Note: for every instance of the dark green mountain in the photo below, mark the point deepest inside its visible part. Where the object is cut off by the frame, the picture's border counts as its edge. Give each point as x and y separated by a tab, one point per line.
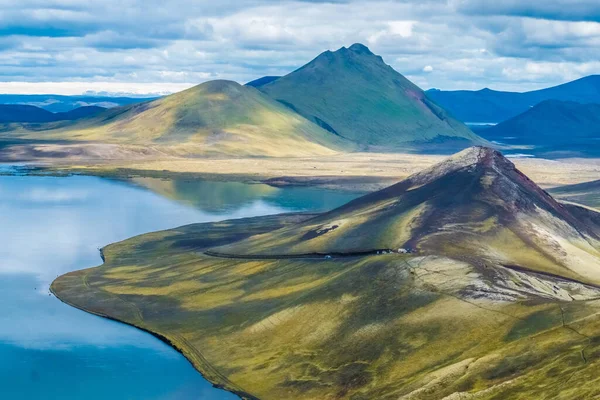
77	113
494	106
354	94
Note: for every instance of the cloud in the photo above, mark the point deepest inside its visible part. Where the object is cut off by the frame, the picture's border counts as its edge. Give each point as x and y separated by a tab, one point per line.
428	68
157	44
566	10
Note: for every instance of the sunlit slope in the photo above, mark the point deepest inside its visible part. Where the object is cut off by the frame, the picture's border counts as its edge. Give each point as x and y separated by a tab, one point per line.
354	94
475	205
217	117
380	327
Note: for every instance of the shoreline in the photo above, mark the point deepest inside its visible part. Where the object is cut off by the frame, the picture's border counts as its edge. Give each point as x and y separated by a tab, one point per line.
357	172
338	183
166	340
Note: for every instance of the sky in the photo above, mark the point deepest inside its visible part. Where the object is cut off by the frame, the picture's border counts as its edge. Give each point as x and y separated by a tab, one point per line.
163	46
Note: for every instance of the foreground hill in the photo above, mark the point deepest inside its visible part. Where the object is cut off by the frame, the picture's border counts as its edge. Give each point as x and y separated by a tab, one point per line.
497	298
355	95
217	117
476	204
552	122
491	106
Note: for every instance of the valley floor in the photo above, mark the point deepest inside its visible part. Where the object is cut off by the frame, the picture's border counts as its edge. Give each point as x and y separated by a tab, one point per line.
349	171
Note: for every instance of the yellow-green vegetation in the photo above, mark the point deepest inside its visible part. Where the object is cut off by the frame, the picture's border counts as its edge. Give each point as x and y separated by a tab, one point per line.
391	326
214	118
465	281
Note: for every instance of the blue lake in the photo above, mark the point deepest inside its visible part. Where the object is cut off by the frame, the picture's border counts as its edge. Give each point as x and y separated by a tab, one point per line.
52	225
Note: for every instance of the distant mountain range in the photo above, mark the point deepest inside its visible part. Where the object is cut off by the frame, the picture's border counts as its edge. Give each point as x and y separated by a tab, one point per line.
490	106
346	100
11	113
59	103
552	121
355	95
555	128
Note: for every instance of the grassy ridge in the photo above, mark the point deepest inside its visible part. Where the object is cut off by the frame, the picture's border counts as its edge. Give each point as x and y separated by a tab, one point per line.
494	106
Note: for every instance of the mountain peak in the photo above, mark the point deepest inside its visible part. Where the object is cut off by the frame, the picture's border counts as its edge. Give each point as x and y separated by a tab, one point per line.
360	48
218	86
479	155
476	156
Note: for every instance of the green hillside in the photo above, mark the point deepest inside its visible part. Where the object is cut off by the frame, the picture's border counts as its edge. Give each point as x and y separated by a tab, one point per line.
354	94
217	117
491	106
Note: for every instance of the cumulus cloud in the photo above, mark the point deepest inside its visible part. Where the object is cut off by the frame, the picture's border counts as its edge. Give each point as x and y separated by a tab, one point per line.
153	44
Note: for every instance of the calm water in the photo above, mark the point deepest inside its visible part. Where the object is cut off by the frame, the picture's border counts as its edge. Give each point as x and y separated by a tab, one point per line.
49	226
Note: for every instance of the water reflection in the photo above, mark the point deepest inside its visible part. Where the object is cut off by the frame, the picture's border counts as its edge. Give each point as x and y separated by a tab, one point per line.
221	197
49	226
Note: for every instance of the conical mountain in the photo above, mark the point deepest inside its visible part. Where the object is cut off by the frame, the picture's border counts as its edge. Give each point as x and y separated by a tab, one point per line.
475	206
356	95
217	117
